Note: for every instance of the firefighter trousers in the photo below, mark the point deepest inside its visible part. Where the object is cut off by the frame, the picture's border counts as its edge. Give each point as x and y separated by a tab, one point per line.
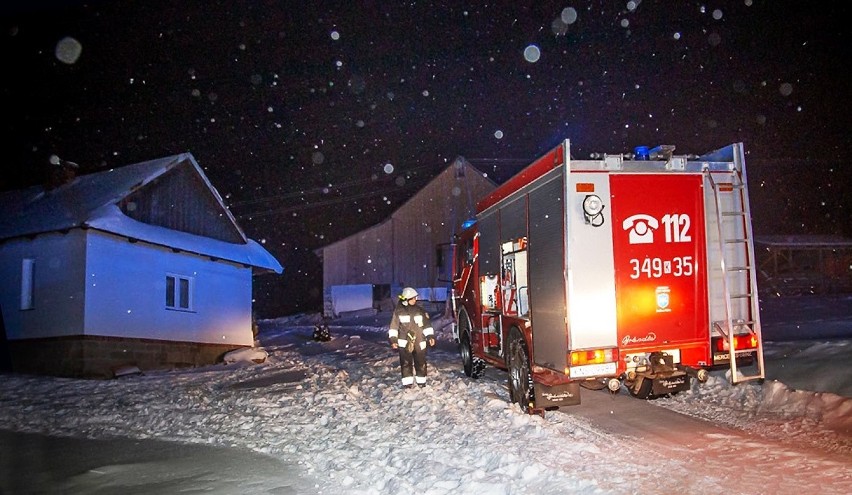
413	366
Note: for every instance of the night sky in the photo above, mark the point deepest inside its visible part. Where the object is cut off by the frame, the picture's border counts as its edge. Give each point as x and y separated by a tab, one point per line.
315	120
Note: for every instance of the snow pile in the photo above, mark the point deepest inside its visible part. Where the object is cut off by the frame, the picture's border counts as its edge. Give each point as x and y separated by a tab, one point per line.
815	365
336	411
246	355
832	410
822	405
771	410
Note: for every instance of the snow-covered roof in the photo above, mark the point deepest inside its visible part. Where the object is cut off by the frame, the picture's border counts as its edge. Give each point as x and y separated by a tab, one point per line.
91	201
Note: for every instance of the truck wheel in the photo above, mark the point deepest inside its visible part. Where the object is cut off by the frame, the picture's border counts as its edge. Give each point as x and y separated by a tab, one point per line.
520	377
474	367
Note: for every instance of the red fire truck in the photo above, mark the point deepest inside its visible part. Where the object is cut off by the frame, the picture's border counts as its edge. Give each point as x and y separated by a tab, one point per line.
633	270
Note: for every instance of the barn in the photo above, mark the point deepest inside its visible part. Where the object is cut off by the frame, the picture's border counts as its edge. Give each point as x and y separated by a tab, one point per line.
141	266
410	248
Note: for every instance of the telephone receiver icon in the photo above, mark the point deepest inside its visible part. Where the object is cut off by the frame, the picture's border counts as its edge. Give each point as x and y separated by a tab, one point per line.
641	228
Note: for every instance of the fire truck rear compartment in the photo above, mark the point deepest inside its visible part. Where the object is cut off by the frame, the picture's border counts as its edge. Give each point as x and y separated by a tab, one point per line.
574	276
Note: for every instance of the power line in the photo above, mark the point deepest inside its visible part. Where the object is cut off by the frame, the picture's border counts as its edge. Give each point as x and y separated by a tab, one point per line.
521	160
328	202
324	190
315	190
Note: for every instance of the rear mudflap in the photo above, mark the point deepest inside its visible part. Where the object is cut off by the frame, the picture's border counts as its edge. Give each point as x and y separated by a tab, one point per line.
562	394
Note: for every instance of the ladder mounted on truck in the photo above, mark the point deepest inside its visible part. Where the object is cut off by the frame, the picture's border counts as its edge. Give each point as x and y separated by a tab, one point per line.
733	219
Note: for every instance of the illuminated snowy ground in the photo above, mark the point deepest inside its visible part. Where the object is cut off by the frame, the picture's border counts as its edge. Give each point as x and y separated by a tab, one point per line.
334	413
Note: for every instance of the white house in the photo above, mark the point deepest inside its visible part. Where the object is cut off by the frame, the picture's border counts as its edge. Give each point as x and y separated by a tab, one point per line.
141	266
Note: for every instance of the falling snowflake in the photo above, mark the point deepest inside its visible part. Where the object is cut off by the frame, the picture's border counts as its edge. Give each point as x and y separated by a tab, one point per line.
532	54
569	15
68	50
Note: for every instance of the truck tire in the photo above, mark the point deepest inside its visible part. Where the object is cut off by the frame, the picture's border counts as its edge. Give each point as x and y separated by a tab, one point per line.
474	367
521	388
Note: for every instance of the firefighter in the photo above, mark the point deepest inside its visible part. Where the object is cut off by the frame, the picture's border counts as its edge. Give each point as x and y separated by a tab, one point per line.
410	331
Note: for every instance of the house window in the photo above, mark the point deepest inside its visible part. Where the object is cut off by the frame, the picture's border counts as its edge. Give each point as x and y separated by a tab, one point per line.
27	283
179	292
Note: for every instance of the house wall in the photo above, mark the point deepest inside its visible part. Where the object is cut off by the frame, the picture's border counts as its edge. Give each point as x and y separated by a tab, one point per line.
126	294
431	218
365	258
101	357
58	291
192	206
99	304
402	250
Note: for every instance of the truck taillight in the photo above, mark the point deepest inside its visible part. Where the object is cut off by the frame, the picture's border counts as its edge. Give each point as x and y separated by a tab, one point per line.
740	342
594	356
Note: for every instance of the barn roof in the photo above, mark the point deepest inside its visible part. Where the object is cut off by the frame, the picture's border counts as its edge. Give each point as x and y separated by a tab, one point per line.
94	201
459	163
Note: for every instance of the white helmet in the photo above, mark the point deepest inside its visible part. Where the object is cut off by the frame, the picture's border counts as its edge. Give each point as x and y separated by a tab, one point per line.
408	293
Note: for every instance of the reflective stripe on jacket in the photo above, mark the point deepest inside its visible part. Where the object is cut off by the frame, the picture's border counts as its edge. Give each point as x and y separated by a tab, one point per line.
410	322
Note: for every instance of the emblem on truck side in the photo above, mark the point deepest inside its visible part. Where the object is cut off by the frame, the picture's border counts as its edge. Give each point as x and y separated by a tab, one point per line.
641	227
663	299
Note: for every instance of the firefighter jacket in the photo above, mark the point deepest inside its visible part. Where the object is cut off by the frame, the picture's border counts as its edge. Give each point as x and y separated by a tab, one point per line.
410	327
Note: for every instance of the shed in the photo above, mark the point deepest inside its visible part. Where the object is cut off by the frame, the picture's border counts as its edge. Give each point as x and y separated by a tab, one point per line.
410	248
140	266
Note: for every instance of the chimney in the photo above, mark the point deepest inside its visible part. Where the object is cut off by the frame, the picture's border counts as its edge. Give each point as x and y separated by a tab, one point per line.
61	172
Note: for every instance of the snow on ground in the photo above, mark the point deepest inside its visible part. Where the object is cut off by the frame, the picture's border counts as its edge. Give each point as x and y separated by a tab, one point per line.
335	411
